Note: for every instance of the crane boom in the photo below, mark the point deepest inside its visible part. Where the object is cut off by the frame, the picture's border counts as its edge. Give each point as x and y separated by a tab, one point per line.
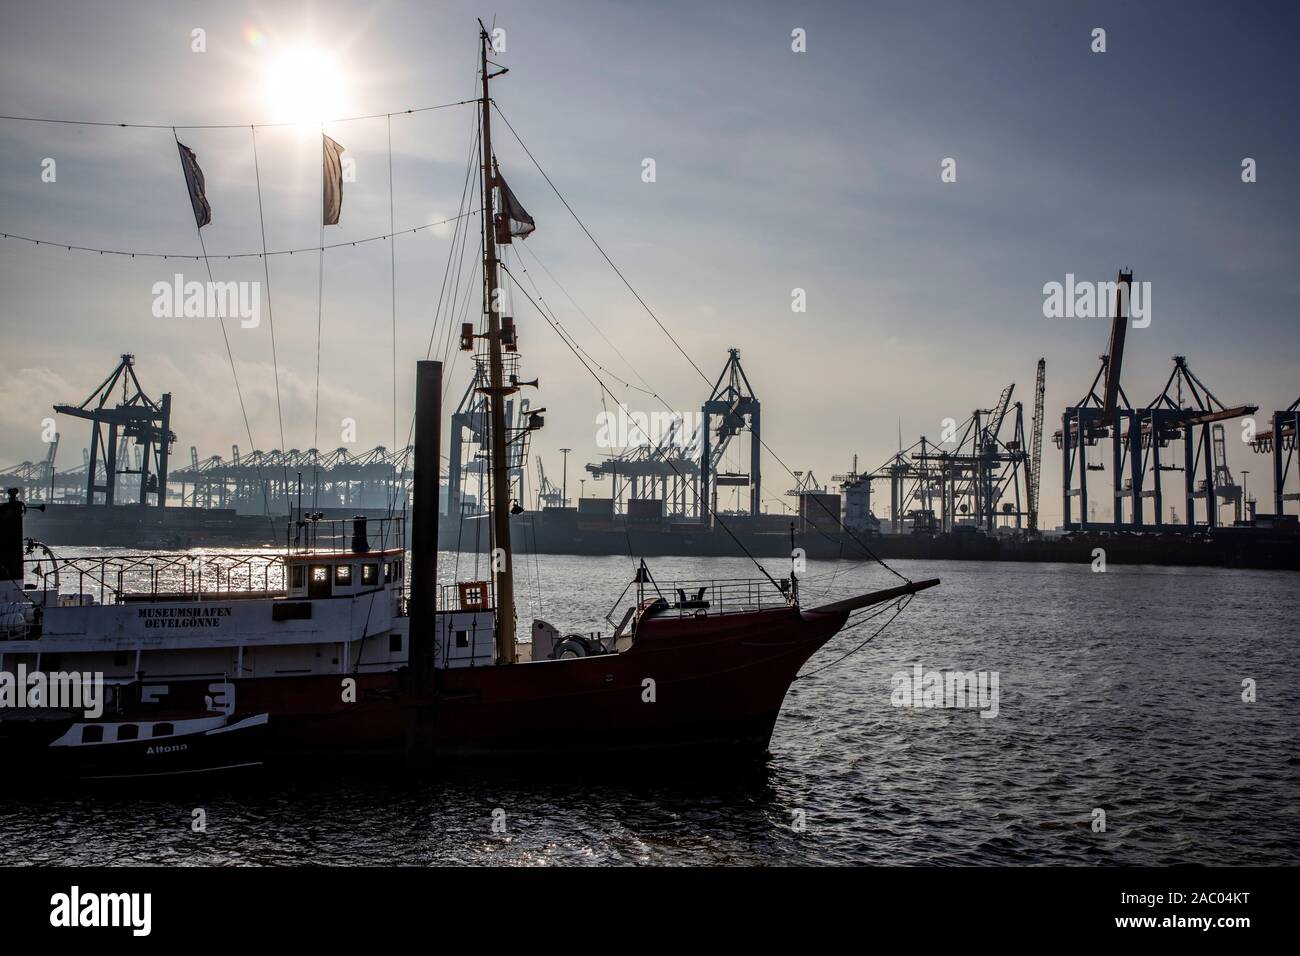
1115	350
1036	444
1000	413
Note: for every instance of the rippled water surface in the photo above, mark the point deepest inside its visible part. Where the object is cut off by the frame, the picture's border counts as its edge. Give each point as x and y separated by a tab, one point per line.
1120	691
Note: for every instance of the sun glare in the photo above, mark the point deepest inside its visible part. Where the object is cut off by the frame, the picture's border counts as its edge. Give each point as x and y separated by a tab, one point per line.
304	85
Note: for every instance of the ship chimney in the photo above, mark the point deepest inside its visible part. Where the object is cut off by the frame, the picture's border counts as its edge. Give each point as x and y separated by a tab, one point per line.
360	535
11	538
424	521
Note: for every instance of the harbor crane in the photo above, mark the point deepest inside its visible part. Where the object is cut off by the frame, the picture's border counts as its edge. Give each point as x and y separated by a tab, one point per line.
1226	489
667	469
1102	414
1034	468
1184	411
548	495
1280	441
734	408
135	418
33	479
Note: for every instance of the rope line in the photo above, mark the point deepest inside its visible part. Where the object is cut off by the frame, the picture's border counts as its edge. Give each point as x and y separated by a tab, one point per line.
437	318
239	392
716	517
599	248
648	389
320	317
266	274
136	254
567	334
176	126
392	273
650	312
898	605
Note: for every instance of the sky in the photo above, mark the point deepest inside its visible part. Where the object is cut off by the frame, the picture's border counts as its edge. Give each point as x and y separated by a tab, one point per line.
775	170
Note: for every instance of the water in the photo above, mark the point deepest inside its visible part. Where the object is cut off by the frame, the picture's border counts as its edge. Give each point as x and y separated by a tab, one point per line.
1120	691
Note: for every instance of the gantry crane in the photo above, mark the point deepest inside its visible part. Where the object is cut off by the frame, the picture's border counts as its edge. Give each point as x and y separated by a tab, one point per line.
1184	411
548	495
1102	414
135	418
1280	441
734	408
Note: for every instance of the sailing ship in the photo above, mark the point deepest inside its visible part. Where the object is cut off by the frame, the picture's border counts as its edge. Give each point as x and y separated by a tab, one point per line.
196	663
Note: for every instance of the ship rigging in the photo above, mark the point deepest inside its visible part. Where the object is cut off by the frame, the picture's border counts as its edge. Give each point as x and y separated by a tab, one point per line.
325	650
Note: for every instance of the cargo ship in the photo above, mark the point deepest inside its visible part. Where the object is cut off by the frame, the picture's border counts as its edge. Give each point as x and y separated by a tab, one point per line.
1266	545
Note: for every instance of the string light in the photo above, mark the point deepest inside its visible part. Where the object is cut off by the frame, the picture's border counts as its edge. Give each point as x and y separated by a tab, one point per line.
232	255
341	119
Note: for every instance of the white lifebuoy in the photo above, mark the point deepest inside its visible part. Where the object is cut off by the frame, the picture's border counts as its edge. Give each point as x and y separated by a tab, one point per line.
12	618
572	646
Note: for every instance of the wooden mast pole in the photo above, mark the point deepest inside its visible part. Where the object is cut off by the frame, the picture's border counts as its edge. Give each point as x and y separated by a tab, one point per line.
502	558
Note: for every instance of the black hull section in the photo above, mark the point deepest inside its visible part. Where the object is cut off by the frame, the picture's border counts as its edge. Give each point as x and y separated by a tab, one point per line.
544	533
740	740
173	528
29	748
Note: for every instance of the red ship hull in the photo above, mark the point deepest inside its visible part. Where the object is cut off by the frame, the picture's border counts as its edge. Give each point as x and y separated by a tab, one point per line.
707	685
714	685
711	684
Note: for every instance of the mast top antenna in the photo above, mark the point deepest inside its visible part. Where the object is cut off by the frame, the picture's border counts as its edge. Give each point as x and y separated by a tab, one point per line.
486	37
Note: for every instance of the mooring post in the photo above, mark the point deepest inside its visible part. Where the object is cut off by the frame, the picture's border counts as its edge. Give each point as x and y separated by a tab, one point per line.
422	603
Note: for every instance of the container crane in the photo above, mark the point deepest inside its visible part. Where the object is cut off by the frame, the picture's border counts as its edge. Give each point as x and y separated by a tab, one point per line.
136	418
1036	445
548	496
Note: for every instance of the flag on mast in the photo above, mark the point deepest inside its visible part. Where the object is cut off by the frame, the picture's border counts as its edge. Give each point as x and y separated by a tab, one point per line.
194	183
333	180
513	221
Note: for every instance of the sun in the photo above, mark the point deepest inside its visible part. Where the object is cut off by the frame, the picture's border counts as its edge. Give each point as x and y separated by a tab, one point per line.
304	85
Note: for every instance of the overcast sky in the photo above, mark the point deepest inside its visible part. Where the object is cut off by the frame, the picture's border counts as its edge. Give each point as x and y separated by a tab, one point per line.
775	170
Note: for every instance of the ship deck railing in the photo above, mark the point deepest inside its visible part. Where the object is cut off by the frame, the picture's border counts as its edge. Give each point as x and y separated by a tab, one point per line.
308	535
721	596
115	579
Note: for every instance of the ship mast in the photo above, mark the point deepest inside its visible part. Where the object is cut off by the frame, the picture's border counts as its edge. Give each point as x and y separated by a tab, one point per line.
502	558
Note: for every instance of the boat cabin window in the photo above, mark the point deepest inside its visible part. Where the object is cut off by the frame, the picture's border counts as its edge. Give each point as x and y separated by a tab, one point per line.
92	735
369	574
318	581
163	730
395	643
296	579
128	732
343	575
462	638
388	572
473	595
